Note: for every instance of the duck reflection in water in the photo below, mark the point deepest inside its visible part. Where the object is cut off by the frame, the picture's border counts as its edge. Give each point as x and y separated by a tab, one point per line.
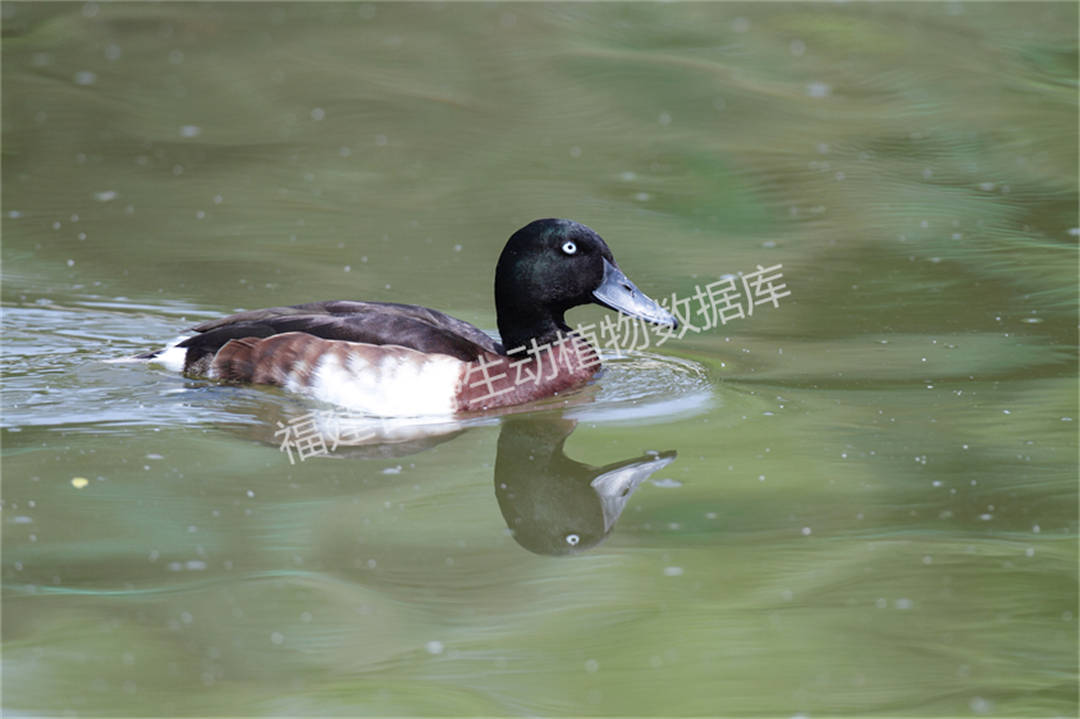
552	504
555	505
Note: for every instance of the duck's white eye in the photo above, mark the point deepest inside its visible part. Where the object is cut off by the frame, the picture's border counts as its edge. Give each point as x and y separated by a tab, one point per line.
572	539
569	248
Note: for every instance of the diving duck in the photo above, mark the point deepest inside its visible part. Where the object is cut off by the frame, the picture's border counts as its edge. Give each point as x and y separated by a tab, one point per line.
390	359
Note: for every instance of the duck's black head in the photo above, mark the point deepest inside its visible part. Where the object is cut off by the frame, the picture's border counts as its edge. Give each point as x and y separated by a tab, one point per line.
549	266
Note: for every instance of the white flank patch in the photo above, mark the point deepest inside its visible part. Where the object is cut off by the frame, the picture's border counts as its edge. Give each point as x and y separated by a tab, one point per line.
397	383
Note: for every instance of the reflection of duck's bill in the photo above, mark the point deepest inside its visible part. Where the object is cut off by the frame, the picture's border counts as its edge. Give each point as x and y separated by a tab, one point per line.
617	482
617	292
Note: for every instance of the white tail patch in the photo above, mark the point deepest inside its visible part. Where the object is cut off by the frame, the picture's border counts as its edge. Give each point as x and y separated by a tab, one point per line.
172	357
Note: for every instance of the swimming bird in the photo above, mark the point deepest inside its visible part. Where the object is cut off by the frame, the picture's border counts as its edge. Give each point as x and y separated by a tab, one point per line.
390	359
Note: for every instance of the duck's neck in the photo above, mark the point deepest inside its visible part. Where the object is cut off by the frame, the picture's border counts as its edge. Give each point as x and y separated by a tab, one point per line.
520	327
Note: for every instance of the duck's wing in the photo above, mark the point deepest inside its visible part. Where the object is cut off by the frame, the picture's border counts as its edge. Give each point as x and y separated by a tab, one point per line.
374	323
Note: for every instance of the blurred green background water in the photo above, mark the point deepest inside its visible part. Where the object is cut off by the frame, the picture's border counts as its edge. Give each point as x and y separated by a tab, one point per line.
874	505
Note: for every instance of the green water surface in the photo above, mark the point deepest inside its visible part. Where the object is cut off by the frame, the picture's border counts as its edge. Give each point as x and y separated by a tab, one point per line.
873	508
